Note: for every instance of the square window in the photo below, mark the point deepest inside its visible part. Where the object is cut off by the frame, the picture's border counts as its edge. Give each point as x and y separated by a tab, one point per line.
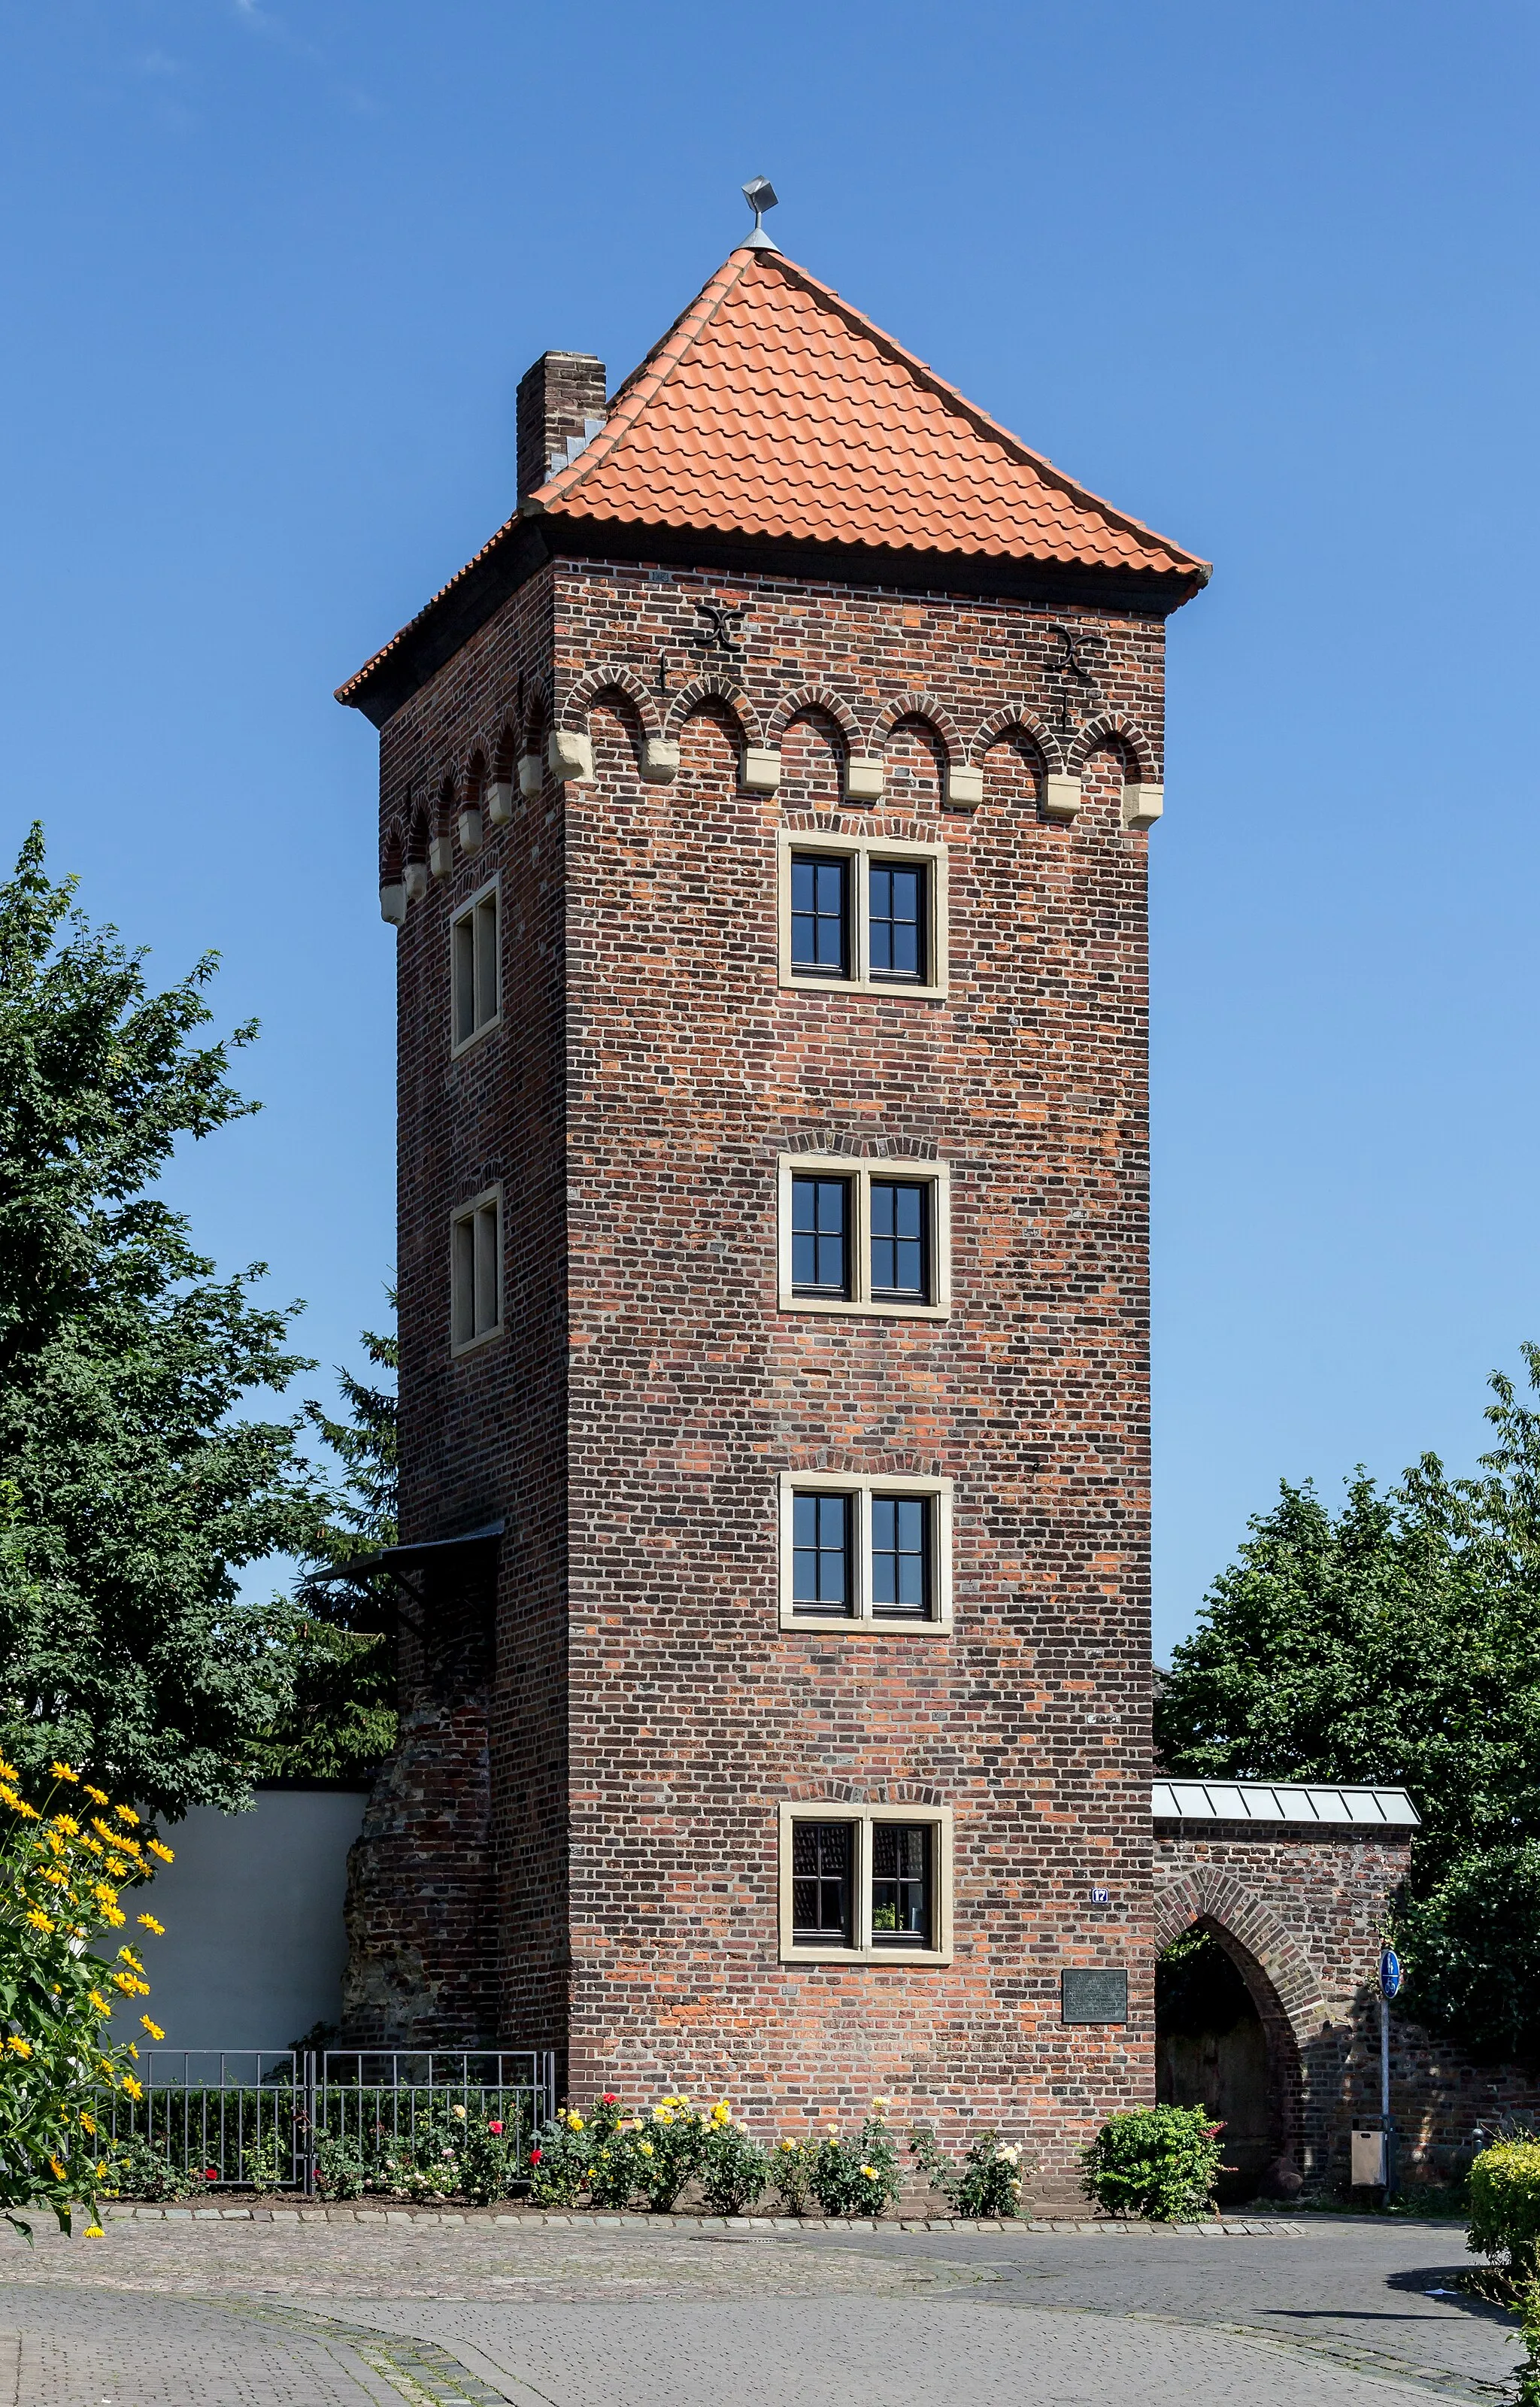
865	1236
820	1242
873	1886
899	918
865	913
898	1241
473	977
820	914
865	1551
476	1271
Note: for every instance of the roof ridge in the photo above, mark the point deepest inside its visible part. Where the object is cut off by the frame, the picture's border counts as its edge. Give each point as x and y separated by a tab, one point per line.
971	409
634	394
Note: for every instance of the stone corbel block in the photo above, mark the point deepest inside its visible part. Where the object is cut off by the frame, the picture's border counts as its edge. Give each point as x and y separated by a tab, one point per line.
864	777
500	800
415	879
1141	805
469	826
571	756
761	772
1061	797
659	759
441	856
965	789
532	776
393	903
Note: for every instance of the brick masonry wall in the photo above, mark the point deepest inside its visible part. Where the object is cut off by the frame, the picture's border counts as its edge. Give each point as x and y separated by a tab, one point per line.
1301	1912
647	1715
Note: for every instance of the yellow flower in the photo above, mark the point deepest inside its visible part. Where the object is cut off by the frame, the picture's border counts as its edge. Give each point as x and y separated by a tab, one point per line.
133	2051
8	1770
57	2167
135	2088
574	2122
117	1868
644	2148
154	2028
870	2174
40	1921
94	2230
109	2072
8	1797
55	1878
458	2111
97	1798
721	2112
881	2105
62	1772
113	1918
93	1846
104	1895
788	2148
126	1955
100	2002
103	1829
18	2046
150	1924
164	1853
28	1813
125	1814
87	2123
67	1823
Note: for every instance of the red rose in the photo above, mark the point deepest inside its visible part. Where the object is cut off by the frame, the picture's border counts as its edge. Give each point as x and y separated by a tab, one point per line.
211	2172
496	2128
535	2155
611	2098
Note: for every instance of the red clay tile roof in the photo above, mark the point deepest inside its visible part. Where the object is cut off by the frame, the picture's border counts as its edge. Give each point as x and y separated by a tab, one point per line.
772	408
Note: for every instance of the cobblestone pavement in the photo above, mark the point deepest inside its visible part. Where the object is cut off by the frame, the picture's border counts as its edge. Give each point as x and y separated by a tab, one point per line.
273	2315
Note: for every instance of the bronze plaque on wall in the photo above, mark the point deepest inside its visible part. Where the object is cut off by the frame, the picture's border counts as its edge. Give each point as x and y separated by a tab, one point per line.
1094	1997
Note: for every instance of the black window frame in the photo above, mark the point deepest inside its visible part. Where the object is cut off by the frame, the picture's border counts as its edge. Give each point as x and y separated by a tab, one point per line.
920	869
816	860
879	1498
824	1934
893	1935
923	1188
848	1234
818	1498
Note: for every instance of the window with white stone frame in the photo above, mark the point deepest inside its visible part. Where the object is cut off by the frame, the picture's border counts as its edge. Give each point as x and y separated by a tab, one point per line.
475	973
475	1271
865	1552
865	1884
868	1236
864	913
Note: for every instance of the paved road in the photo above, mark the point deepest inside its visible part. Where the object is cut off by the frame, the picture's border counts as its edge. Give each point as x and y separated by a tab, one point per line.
281	2314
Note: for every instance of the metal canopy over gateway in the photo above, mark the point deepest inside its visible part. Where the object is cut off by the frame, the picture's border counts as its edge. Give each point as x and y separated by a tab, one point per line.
1262	1801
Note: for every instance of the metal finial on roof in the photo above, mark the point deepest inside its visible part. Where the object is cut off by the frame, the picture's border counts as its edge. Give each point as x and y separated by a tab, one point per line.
759	193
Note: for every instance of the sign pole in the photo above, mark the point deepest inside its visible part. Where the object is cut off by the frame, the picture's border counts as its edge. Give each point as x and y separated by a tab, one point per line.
1389	1983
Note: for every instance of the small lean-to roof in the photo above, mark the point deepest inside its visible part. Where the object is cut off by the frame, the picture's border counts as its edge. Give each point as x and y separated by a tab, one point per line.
772	414
1277	1801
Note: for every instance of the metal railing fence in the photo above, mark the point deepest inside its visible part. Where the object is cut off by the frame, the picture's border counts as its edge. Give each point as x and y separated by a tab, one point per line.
265	2118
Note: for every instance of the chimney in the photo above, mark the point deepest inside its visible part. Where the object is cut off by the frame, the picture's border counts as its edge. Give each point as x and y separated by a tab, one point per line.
561	408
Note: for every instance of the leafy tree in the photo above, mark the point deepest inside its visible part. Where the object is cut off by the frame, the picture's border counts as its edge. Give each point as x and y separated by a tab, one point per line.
133	1493
1399	1640
339	1721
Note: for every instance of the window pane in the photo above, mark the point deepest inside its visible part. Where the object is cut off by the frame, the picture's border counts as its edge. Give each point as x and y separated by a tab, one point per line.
463	1281
897	915
820	914
821	1535
820	1212
900	1555
487	1268
902	1855
463	980
820	1889
486	965
898	1240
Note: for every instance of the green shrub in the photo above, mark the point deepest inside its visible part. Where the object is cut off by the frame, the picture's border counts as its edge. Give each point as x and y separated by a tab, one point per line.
735	2170
668	2147
988	2182
1504	2194
1154	2160
137	2169
1526	2392
791	2166
558	2159
1470	1947
859	2177
341	2169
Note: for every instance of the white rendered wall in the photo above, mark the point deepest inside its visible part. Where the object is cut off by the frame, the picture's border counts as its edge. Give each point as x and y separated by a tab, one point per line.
254	1948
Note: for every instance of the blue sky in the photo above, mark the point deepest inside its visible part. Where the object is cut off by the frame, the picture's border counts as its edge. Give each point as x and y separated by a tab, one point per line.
1264	276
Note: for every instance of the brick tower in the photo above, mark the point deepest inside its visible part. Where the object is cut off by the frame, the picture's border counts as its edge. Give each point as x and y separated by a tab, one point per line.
763	817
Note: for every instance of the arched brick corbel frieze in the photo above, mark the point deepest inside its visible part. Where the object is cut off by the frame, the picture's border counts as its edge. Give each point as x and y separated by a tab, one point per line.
1014	717
1206	1894
802	703
571	750
848	1792
1143	797
962	789
702	693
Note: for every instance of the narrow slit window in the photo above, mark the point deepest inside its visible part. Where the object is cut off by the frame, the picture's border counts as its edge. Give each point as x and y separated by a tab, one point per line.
473	967
899	1244
821	1881
902	1881
476	1260
820	1237
899	913
820	915
901	1557
820	1553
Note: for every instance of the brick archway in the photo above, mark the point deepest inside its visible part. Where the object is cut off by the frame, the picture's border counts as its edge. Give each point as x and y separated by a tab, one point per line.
1281	1986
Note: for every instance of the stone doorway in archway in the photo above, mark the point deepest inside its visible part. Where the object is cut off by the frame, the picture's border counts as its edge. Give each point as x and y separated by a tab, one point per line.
1211	2050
